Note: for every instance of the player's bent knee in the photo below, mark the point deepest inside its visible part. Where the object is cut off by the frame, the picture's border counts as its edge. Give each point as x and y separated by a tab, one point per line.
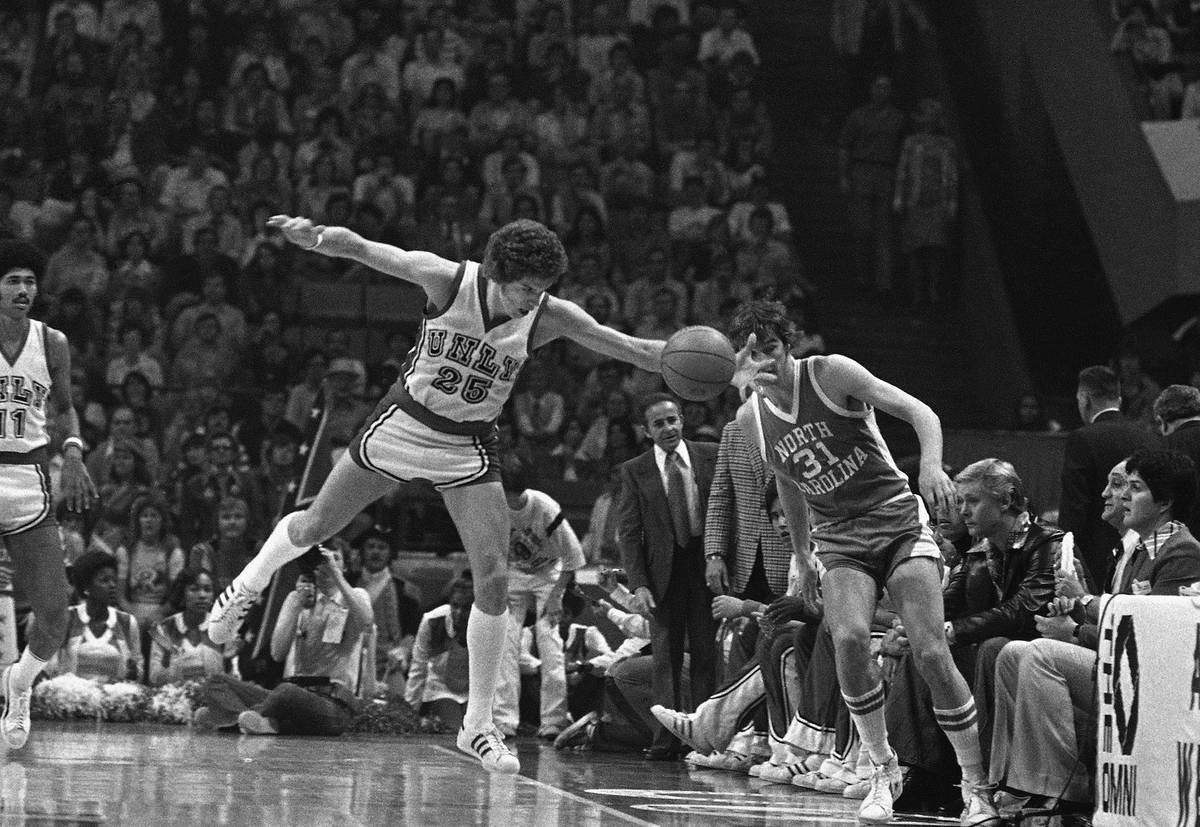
851	640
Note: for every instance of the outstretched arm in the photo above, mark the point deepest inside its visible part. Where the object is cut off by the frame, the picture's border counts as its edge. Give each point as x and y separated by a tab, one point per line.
567	320
430	272
843	379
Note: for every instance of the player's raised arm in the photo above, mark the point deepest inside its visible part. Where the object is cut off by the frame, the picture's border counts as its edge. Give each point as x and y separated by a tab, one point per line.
567	320
430	272
841	377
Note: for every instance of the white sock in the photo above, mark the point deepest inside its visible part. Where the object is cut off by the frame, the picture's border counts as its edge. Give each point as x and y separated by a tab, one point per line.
485	642
25	671
276	551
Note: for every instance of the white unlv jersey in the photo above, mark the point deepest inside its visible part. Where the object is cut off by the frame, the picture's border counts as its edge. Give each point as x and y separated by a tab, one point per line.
541	539
464	363
24	389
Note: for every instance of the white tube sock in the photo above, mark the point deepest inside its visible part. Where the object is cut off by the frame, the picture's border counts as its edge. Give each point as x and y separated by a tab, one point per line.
485	644
276	551
25	671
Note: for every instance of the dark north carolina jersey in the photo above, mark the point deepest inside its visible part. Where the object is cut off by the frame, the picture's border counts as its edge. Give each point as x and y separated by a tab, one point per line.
462	368
836	456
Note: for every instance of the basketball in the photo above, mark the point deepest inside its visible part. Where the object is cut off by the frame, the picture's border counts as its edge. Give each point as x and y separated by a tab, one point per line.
697	363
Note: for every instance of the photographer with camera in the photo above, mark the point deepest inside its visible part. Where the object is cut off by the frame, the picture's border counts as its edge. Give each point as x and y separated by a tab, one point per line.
319	632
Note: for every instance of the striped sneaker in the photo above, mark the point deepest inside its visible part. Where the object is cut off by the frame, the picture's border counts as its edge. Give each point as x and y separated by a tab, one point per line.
684	726
229	611
489	748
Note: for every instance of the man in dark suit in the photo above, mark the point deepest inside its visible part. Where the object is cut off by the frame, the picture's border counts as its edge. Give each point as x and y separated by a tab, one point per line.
1105	438
1177	411
660	512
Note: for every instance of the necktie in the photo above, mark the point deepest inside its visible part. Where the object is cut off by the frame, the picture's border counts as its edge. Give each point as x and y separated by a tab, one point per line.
681	520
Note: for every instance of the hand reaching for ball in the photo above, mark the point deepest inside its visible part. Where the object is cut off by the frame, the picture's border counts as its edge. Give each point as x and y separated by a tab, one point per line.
751	371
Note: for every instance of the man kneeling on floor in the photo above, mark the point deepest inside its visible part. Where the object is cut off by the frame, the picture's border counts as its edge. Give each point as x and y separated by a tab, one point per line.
320	633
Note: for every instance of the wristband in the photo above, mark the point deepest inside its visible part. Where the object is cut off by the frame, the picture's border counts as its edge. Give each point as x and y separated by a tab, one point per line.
72	440
317	243
715	555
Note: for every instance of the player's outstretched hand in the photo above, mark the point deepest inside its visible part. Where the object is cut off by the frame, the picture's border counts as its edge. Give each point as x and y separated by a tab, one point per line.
938	491
749	371
298	230
79	492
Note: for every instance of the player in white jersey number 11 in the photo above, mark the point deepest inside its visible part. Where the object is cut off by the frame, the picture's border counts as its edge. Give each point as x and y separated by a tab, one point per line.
437	423
35	380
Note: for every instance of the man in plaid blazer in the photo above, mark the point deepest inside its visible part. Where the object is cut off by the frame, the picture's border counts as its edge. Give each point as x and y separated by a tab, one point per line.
743	554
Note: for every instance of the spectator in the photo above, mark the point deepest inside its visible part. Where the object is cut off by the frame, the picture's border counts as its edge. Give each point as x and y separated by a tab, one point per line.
664	557
758	195
768	263
255	108
146	564
319	633
103	642
1138	390
77	264
1006	579
180	649
126	482
253	431
1038	682
276	476
499	112
259	48
302	396
867	149
1149	46
222	500
743	555
437	677
133	358
430	64
345	411
185	191
927	201
720	43
594	46
654	273
397	615
1177	411
1031	416
207	355
371	63
538	409
133	215
1106	437
440	113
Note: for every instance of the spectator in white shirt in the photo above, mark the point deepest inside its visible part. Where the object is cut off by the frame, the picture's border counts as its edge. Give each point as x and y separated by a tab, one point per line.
133	358
437	676
185	191
720	43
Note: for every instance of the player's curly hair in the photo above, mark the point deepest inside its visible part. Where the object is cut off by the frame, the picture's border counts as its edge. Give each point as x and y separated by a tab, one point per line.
765	319
524	248
21	255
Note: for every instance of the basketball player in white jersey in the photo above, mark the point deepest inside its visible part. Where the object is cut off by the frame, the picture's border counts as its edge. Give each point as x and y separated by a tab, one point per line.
35	376
815	424
437	423
543	553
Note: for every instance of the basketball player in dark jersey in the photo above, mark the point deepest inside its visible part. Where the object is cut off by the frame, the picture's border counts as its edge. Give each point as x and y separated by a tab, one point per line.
814	421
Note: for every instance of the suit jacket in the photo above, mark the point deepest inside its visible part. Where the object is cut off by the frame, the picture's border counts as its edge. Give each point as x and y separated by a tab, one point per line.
1176	564
1091	452
979	607
644	531
1185	439
737	518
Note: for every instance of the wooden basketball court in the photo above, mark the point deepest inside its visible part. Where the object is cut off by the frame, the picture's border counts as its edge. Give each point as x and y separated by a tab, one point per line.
91	774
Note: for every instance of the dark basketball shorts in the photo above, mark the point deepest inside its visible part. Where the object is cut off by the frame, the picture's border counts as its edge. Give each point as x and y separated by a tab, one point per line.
876	543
